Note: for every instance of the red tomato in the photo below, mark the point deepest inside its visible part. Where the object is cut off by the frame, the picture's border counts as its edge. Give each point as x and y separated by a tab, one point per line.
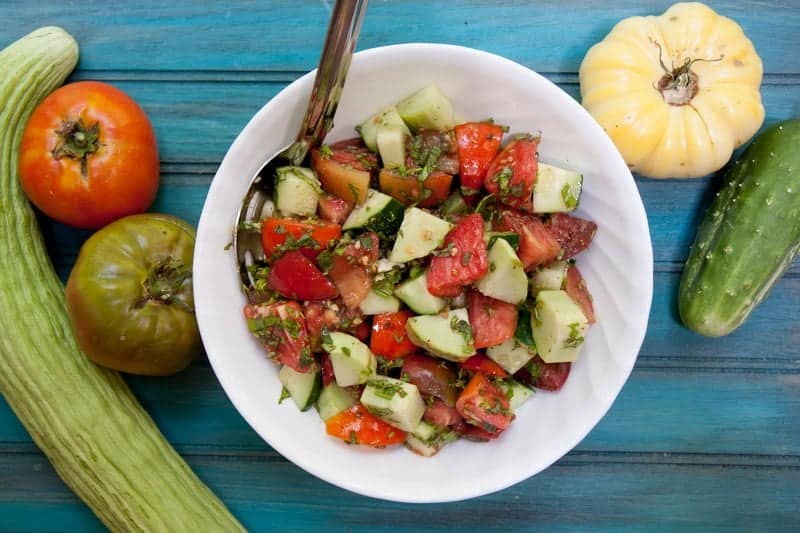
440	414
389	338
547	376
433	377
536	245
577	290
345	169
333	316
474	433
408	190
281	328
492	321
333	209
275	232
462	260
89	156
350	271
478	143
294	276
572	233
512	174
482	404
327	370
484	365
356	425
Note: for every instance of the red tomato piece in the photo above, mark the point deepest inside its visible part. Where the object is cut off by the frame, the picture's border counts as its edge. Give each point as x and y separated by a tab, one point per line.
350	270
294	276
333	316
512	174
439	413
484	405
281	328
345	169
474	433
462	260
327	370
389	337
536	245
408	190
547	376
478	143
484	365
572	233
333	209
356	425
579	292
433	377
492	321
281	234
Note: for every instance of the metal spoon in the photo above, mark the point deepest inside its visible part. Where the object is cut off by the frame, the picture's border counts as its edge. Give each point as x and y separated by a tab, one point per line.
334	63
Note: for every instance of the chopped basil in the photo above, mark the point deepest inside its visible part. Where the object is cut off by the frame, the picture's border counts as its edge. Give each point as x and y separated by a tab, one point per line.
463	328
386	389
325	151
284	394
575	339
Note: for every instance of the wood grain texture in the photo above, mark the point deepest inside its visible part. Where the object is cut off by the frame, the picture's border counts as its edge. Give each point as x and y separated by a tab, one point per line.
706	433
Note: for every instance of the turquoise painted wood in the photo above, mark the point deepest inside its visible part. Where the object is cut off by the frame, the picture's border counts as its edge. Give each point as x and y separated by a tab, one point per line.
706	434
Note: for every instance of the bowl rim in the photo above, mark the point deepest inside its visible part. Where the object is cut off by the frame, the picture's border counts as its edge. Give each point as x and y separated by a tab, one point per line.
234	394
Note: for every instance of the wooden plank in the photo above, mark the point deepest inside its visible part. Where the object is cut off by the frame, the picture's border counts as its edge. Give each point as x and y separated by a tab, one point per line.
664	410
267	494
288	34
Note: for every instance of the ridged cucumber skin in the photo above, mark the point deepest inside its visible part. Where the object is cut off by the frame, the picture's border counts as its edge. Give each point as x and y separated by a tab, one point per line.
84	418
748	236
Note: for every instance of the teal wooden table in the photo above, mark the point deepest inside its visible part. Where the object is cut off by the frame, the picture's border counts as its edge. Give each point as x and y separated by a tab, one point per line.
706	434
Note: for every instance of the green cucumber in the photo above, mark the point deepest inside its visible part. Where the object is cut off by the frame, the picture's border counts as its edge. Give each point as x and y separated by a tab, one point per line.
380	213
297	191
303	387
508	236
333	400
388	116
427	108
84	418
748	237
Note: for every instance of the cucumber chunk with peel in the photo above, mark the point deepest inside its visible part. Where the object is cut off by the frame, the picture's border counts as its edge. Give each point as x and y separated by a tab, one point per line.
394	401
388	116
427	108
447	335
559	326
353	362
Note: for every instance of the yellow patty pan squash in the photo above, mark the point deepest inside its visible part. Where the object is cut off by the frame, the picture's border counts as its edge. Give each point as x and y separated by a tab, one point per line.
677	93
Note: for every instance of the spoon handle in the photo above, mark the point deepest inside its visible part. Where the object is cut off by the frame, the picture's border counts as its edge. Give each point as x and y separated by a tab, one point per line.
340	42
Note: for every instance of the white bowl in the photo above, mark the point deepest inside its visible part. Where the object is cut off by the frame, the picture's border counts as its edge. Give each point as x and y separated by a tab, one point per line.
617	268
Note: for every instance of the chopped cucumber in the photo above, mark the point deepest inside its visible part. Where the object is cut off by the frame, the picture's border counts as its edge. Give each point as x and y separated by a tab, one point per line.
380	213
333	400
511	354
506	279
388	116
556	189
549	278
392	145
447	335
297	191
427	439
559	326
419	235
420	447
353	362
394	401
414	293
426	431
427	108
303	387
510	236
454	205
516	392
376	303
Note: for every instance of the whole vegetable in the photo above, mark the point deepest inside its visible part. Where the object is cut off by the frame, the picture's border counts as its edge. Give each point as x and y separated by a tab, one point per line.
84	418
677	93
129	295
89	156
748	237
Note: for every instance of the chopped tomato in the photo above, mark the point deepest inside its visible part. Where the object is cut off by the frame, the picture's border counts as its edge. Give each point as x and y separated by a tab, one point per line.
577	290
294	276
333	316
482	404
572	233
333	209
350	270
440	414
492	321
344	169
547	376
512	174
462	260
407	189
389	337
327	370
281	234
474	433
433	377
484	365
281	328
478	143
536	245
356	425
362	331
